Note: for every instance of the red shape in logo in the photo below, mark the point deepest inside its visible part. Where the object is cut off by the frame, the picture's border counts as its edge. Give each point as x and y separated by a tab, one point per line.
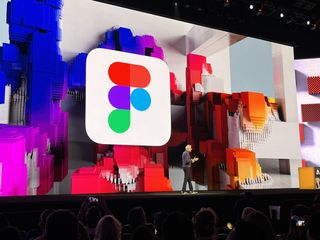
126	74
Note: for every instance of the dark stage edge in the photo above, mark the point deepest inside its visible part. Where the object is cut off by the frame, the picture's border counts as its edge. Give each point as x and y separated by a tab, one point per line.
24	212
151	195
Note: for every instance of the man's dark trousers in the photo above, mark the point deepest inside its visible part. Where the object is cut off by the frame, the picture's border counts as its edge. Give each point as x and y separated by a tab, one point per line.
187	178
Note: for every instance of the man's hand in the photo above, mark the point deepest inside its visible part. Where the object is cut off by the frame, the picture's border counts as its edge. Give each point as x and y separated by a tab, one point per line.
194	159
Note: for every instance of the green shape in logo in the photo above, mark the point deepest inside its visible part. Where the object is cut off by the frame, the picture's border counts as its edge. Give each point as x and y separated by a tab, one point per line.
119	120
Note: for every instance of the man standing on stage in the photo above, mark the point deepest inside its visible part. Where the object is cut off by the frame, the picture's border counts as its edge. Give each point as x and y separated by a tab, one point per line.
186	165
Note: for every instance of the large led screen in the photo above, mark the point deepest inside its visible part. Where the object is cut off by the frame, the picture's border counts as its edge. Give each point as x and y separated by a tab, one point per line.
96	98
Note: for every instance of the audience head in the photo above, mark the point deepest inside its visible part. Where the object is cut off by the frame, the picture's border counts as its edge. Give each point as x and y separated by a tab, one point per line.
136	217
62	225
158	219
316	203
261	222
313	229
108	228
3	221
300	210
246	200
247	231
11	233
246	212
83	233
93	216
299	216
177	226
142	232
204	223
43	218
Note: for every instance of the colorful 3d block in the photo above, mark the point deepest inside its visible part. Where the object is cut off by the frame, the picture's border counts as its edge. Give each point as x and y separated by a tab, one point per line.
301	132
309	177
88	180
314	84
3	82
77	73
196	62
13	174
131	155
173	84
39	163
154	179
242	163
254	108
310	112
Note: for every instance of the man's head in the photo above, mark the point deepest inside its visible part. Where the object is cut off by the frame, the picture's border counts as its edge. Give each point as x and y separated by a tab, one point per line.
188	148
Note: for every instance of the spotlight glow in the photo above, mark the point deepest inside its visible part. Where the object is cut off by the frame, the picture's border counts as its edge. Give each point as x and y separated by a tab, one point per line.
282	15
251	6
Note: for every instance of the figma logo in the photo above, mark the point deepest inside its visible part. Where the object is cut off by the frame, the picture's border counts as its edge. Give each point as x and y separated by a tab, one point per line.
127	75
127	99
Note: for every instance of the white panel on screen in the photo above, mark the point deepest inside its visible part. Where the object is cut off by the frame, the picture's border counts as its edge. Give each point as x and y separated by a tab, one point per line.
4	28
311	144
4	108
284	81
283	142
220	62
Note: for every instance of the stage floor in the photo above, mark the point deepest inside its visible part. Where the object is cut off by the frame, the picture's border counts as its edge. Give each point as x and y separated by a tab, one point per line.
279	181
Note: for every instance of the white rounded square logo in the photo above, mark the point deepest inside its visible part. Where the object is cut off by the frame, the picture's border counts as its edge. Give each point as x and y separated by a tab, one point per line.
127	99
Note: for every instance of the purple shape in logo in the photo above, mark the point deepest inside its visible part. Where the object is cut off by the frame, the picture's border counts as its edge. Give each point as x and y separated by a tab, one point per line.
119	97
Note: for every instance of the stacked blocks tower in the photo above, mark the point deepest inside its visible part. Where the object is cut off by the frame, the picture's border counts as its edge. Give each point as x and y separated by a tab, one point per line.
214	137
31	64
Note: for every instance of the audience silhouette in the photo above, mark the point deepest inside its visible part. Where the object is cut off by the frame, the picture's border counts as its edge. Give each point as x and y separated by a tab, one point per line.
96	222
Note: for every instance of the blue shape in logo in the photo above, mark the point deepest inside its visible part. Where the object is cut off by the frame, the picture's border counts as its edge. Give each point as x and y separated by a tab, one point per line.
140	99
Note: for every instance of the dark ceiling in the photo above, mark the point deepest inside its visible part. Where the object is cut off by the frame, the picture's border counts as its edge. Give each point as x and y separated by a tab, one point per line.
299	25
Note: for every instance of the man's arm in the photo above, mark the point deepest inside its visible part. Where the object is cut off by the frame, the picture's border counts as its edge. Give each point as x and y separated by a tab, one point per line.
194	159
186	158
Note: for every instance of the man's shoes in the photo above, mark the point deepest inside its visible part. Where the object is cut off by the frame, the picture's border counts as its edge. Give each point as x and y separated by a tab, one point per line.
193	192
183	192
